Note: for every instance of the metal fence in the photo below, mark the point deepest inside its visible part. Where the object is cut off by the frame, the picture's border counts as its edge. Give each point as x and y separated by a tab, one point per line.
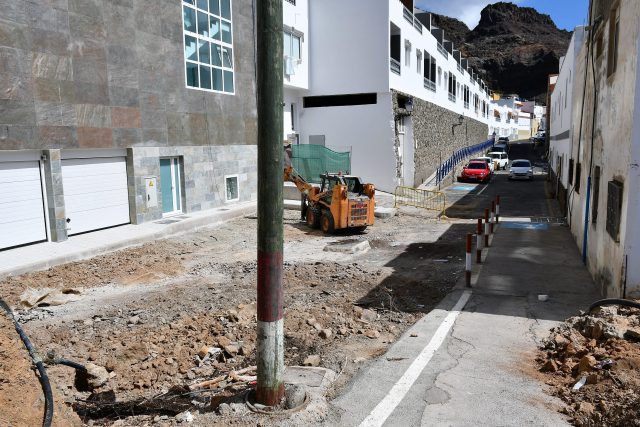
426	199
311	160
459	156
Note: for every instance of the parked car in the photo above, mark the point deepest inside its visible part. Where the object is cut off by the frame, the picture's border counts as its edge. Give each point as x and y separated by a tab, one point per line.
476	171
499	148
521	169
489	161
539	137
503	139
501	159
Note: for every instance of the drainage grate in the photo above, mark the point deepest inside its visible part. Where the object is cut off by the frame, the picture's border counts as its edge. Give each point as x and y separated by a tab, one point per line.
549	219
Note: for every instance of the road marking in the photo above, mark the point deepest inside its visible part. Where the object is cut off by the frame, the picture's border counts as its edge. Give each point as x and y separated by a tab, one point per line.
381	412
483	188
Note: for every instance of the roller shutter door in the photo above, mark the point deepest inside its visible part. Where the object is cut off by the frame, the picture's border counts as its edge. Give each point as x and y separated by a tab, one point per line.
95	193
22	219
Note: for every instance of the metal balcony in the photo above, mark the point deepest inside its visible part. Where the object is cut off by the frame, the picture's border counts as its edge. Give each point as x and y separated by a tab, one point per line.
443	51
428	84
452	97
466	105
293	2
407	15
417	25
394	66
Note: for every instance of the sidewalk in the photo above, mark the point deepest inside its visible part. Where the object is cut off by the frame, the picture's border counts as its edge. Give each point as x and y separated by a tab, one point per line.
41	256
482	372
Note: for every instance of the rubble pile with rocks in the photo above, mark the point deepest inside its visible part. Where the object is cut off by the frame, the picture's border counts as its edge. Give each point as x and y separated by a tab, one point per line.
592	362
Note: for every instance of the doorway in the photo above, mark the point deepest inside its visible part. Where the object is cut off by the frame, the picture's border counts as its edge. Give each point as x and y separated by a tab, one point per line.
170	185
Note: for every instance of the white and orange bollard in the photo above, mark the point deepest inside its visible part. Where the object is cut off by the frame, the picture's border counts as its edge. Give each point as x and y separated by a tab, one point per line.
486	228
493	217
479	242
467	271
497	209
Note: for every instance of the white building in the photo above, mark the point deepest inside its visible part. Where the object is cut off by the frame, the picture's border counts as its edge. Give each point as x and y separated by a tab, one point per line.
561	114
603	172
295	19
386	83
503	120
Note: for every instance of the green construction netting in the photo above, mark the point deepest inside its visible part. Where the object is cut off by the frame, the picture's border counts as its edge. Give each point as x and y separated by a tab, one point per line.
311	160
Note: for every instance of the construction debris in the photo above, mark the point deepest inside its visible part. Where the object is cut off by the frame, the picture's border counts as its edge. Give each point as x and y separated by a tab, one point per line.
592	364
46	297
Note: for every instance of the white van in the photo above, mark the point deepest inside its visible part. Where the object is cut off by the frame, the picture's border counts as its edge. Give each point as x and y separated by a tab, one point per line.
500	159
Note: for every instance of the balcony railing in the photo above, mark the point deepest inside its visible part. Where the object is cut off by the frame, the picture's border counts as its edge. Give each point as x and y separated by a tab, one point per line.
428	84
417	25
508	120
293	2
466	105
408	15
498	119
394	66
452	97
460	68
443	51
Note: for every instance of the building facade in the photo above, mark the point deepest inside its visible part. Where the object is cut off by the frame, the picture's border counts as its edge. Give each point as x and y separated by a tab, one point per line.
394	91
602	172
122	112
561	117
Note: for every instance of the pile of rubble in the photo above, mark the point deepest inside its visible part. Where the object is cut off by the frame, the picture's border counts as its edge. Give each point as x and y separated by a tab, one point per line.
593	364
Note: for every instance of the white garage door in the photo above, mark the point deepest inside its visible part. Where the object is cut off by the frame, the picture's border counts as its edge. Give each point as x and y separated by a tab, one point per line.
95	193
22	217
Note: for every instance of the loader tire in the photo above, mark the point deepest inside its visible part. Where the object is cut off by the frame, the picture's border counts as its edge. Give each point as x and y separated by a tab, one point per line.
313	218
326	223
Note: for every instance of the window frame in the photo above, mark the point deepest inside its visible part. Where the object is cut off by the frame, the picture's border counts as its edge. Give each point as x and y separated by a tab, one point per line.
613	44
212	42
226	189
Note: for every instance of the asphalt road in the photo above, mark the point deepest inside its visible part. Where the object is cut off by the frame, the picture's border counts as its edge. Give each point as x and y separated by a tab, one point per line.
517	198
471	361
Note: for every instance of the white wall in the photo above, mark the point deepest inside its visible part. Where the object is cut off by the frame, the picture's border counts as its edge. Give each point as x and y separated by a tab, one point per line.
367	129
297	16
562	108
348	47
411	82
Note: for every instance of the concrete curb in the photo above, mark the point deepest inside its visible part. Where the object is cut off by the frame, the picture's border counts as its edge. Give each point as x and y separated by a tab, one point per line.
184	226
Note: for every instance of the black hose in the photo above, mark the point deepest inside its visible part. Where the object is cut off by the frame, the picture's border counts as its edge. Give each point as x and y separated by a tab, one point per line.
42	373
75	365
613	301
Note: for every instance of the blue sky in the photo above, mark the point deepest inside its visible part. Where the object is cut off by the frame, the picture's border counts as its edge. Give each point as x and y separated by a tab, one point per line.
565	13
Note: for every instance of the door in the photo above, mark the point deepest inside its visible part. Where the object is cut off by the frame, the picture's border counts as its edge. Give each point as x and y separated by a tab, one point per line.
170	185
96	195
400	152
22	218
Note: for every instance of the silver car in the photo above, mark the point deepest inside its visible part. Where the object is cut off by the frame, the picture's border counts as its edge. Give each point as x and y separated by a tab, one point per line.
521	169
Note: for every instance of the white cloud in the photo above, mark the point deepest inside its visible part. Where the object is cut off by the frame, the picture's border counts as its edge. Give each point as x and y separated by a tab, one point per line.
467	11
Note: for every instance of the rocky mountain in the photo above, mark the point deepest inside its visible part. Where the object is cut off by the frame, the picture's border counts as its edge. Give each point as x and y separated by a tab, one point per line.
514	48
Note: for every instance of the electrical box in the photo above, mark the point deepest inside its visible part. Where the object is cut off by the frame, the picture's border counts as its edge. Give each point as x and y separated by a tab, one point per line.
151	192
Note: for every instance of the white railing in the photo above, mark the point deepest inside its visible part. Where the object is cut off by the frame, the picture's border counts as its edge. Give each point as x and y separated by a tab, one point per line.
466	105
293	2
443	51
407	15
394	65
460	68
417	25
452	97
428	84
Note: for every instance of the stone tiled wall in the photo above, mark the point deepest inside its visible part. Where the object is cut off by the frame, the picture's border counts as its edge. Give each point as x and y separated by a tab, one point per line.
110	73
432	131
203	176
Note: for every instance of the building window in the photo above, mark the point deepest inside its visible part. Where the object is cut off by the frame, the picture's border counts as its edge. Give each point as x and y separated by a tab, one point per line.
419	61
208	45
466	95
430	67
599	45
452	87
231	188
394	48
292	51
571	171
614	208
596	194
614	40
578	177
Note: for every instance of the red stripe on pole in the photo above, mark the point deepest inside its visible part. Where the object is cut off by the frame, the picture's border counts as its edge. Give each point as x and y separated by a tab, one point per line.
269	273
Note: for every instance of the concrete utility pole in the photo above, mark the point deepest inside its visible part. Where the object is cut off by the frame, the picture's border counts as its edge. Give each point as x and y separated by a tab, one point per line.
270	352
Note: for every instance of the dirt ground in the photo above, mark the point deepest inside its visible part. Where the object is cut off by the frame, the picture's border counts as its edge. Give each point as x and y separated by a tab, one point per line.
592	363
176	312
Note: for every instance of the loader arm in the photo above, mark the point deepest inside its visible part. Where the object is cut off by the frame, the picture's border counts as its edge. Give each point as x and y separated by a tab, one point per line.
291	175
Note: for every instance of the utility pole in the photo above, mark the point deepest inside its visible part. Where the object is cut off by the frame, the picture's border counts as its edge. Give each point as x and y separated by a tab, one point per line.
270	351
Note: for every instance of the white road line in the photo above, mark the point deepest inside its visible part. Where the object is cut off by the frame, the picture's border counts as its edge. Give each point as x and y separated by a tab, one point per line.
483	188
381	412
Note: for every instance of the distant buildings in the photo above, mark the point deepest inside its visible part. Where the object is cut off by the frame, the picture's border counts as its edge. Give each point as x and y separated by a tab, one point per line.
595	144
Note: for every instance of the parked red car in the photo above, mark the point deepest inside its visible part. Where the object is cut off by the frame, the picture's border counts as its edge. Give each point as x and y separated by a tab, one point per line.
476	171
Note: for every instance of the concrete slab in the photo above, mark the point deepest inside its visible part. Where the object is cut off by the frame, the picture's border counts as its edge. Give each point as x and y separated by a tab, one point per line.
350	246
45	255
382	212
